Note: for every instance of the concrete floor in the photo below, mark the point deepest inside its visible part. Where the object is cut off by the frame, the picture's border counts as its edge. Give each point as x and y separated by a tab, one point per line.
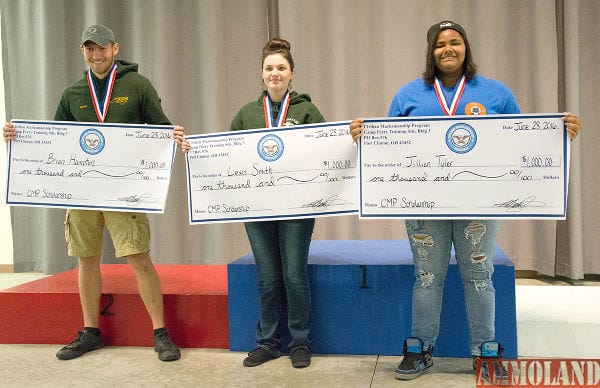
554	319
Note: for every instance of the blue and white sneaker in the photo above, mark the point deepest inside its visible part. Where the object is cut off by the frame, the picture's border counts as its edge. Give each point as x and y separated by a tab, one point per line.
491	368
416	361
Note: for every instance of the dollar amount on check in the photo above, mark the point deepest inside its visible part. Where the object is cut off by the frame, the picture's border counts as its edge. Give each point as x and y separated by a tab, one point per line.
280	173
464	167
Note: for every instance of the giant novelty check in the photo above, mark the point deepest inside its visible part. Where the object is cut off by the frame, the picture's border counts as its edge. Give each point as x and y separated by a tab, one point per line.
117	167
460	167
267	174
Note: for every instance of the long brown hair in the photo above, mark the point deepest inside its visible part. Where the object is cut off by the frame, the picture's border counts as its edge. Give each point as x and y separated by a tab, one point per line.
278	46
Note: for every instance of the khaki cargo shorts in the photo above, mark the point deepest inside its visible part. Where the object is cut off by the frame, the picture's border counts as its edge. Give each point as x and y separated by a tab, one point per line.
84	232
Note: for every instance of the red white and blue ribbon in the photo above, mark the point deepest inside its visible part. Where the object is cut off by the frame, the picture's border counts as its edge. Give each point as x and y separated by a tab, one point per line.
449	111
285	103
101	107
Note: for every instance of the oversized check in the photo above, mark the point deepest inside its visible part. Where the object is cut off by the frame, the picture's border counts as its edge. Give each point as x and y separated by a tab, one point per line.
267	174
117	167
461	167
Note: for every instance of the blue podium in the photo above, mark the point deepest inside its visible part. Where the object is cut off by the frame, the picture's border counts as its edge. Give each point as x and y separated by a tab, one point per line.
362	298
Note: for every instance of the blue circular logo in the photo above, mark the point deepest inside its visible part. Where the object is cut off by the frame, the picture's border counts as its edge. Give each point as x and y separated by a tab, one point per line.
461	138
92	141
270	147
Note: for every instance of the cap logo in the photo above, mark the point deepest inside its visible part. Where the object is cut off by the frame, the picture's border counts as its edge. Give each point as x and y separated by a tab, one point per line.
92	30
445	25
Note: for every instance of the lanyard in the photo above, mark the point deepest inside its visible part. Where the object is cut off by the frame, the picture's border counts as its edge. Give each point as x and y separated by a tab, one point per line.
449	111
285	103
101	107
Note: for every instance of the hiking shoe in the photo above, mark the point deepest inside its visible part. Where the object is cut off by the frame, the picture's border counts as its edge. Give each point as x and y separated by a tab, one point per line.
490	363
166	349
258	356
86	341
415	361
300	357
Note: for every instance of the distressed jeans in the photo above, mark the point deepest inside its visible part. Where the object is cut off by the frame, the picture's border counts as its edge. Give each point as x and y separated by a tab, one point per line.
280	249
431	242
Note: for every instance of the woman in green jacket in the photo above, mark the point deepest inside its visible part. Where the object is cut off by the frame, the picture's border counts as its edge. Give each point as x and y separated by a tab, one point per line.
280	248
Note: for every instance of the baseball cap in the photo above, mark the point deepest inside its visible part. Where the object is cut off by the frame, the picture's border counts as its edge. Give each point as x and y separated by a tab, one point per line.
435	30
99	34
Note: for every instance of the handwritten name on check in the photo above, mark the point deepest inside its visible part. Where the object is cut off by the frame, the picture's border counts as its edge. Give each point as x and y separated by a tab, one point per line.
494	166
78	165
278	173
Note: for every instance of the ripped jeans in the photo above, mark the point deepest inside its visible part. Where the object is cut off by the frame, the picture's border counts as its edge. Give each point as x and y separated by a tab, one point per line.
431	242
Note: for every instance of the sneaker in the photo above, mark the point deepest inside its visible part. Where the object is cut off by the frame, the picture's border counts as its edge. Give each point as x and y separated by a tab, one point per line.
415	361
166	349
490	362
86	341
300	357
258	356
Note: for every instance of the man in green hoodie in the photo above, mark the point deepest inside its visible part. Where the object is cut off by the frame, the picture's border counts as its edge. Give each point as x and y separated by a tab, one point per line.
111	91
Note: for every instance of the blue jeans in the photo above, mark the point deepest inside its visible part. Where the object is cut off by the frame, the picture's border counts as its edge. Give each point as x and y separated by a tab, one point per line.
431	242
280	249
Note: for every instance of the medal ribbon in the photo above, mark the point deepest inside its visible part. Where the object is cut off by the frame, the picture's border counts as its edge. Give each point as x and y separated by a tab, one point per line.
101	107
457	95
285	103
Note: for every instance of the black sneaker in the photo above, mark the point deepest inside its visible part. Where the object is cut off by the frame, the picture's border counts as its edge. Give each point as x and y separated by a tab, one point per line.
166	349
86	341
415	361
258	356
490	363
300	357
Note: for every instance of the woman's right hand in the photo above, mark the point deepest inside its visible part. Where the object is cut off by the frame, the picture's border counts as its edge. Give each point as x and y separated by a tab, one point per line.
9	132
179	137
356	127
